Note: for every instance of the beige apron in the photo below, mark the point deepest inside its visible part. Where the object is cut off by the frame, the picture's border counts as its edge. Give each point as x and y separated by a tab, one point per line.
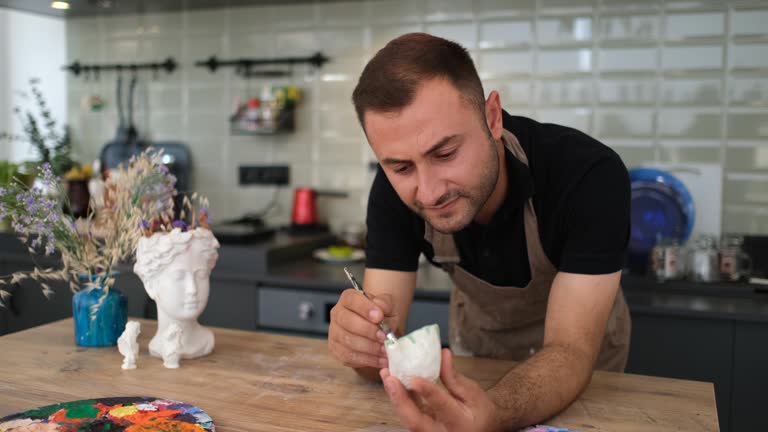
508	322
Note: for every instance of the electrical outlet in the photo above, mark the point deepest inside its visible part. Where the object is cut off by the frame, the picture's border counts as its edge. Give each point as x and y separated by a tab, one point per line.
265	174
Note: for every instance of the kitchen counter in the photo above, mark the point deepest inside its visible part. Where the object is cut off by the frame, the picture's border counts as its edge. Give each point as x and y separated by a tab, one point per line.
753	309
432	283
285	261
728	301
266	382
236	261
722	301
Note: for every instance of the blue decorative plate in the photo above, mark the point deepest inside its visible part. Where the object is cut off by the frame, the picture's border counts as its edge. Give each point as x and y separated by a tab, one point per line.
662	207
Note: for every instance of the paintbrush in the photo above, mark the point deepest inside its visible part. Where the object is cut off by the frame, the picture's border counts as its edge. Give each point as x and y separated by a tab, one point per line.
384	327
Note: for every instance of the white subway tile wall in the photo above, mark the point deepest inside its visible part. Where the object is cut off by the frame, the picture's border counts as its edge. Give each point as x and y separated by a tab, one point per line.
667	81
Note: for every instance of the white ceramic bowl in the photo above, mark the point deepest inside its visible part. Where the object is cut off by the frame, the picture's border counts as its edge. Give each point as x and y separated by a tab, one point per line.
415	354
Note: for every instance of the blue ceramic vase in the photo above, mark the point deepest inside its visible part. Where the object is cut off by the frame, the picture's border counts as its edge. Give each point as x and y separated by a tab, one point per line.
109	322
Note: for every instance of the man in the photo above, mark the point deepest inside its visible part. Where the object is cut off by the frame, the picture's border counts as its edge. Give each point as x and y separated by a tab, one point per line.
530	220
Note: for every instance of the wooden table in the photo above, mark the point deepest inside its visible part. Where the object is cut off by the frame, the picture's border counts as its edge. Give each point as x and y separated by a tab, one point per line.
266	382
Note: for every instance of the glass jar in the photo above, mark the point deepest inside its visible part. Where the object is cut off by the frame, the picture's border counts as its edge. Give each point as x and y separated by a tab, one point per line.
735	264
668	259
704	265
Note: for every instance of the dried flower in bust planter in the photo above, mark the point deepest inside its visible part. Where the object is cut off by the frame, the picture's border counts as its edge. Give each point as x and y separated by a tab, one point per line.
197	208
138	191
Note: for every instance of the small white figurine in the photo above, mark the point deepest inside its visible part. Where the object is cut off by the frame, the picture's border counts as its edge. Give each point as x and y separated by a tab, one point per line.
175	268
172	346
128	345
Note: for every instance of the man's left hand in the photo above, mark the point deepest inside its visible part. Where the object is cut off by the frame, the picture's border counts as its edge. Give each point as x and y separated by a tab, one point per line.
461	406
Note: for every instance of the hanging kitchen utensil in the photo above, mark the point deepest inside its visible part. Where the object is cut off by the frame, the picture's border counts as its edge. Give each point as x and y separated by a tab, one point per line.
128	142
92	102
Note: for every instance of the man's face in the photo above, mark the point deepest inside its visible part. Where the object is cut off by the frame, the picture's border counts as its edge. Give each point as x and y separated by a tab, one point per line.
438	155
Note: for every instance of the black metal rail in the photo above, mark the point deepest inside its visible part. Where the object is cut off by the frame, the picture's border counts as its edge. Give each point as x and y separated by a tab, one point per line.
245	66
169	65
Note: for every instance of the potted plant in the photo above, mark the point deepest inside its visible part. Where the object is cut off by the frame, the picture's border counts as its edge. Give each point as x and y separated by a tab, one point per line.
90	248
175	268
53	146
76	180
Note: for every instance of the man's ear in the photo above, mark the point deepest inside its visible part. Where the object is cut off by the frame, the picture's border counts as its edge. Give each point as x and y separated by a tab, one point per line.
493	114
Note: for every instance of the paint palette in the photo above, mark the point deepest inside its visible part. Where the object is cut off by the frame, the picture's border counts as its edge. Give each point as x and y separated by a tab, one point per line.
130	414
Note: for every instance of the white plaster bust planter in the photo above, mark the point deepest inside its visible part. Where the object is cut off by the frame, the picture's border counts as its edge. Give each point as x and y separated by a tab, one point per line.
175	268
416	354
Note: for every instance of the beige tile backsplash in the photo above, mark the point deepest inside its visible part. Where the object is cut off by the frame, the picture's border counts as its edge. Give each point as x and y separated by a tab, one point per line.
667	81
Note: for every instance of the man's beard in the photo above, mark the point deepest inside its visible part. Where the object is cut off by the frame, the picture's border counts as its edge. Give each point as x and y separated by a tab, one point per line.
469	202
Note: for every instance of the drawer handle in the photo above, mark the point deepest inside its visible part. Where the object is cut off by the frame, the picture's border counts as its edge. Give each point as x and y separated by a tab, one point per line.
306	311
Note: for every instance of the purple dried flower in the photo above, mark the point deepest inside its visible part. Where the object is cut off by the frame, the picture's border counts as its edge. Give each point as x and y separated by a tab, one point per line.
180	224
47	175
2	191
29	205
49	248
19	228
143	225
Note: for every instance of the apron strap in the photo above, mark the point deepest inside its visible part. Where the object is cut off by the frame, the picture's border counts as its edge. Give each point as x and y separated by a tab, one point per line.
444	246
513	145
446	253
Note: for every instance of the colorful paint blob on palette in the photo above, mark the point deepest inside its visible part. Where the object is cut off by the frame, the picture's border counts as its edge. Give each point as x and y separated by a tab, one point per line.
128	414
543	428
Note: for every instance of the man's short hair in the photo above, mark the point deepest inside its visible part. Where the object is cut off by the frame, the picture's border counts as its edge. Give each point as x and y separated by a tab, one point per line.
391	79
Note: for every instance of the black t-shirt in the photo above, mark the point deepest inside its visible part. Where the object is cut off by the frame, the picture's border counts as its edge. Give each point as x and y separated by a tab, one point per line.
581	196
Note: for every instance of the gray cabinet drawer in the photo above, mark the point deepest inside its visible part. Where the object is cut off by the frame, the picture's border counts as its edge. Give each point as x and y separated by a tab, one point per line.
295	309
309	311
231	305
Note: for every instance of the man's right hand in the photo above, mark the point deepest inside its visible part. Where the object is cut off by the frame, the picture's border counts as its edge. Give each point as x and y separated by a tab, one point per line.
354	336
